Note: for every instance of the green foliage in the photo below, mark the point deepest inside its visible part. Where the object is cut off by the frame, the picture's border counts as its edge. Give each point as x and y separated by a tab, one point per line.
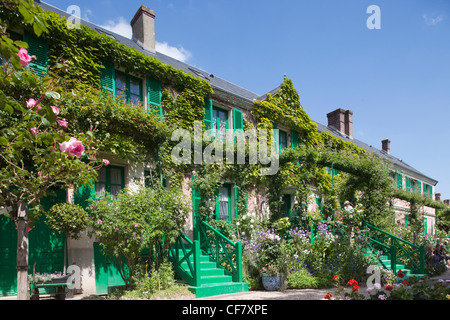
136	220
67	218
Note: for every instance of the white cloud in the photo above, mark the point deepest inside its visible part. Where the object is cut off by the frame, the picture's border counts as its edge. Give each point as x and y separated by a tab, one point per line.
123	27
177	53
433	21
119	26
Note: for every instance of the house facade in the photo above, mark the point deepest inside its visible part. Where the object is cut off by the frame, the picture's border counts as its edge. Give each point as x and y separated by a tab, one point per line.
229	107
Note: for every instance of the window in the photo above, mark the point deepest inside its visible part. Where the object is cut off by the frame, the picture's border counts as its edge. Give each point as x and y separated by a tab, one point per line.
128	88
219	122
223	203
110	180
282	140
400	180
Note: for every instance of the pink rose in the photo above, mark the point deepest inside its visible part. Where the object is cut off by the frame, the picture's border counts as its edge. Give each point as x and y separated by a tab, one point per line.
76	149
24	58
31	103
62	123
105	162
55	110
73	147
34	130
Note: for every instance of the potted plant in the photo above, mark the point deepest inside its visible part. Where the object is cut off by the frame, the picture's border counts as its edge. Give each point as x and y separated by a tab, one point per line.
272	260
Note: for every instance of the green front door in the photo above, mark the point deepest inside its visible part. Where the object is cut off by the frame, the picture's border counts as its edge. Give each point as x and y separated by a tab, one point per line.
8	251
106	274
46	248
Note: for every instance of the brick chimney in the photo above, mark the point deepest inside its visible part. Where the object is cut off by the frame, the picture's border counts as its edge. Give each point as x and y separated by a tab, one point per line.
386	145
342	121
143	25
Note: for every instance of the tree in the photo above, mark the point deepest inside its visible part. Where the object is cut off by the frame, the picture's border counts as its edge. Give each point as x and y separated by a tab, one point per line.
37	153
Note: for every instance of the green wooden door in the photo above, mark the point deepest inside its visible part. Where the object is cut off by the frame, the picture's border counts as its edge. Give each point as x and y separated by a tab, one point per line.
106	274
8	244
46	248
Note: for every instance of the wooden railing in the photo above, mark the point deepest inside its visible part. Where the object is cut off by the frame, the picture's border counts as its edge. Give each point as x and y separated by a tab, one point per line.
396	248
223	251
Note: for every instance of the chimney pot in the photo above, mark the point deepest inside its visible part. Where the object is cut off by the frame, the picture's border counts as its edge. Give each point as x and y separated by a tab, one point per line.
341	120
143	26
386	145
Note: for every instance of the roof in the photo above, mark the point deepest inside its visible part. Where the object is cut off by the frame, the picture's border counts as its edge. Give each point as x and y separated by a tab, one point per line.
229	88
397	163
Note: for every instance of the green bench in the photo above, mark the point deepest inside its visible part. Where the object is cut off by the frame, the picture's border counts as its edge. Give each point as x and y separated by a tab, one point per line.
56	289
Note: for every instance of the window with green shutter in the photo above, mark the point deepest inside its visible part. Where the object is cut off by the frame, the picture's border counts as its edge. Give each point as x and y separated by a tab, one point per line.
37	47
282	140
419	186
425	190
154	96
276	137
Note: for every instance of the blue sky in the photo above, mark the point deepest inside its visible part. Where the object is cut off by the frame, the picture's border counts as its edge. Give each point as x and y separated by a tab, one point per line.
395	79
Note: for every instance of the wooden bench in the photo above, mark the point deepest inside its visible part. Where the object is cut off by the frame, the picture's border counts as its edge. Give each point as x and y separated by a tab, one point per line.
59	292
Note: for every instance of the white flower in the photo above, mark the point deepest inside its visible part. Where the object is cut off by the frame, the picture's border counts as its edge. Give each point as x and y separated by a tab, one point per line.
237	223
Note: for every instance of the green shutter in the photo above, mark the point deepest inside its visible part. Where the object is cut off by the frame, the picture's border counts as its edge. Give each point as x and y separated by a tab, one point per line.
294	139
408	183
431	192
154	96
238	120
236	199
208	117
276	138
37	47
400	180
419	186
83	195
108	78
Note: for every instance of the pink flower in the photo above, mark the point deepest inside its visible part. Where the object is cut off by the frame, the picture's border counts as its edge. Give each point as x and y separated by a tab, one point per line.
105	162
34	130
135	225
55	110
24	58
99	221
73	147
62	123
31	103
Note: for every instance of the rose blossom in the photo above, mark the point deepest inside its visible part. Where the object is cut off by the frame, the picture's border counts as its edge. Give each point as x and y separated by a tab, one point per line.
105	162
34	130
62	123
73	147
31	103
24	58
55	110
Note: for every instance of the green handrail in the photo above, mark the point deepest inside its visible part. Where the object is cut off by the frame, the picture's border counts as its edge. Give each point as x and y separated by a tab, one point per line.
396	243
218	246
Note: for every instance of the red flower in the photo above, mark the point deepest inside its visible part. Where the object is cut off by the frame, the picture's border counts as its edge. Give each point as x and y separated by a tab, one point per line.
327	296
400	273
352	282
355	287
335	278
389	287
405	282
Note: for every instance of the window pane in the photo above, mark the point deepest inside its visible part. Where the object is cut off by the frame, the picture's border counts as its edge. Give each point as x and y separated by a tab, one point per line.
121	86
135	100
102	175
100	189
116	176
135	87
223	203
115	190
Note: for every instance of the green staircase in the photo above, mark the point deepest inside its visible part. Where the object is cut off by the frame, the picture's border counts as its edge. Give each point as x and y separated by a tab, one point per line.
394	254
211	265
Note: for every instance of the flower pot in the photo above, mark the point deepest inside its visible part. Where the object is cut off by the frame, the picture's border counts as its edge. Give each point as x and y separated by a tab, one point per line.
272	283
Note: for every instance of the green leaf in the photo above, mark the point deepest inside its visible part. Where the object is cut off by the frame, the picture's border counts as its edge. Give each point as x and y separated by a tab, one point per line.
45	122
27	16
53	94
9	109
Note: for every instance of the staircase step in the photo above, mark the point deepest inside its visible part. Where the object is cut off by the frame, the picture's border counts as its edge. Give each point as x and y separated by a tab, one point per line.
215	279
218	289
